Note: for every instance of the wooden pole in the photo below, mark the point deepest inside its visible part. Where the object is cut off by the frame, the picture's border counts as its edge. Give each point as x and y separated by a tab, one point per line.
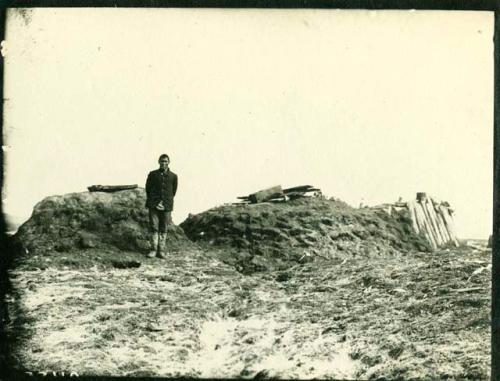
432	212
449	224
443	225
427	233
432	232
443	212
411	209
428	209
421	196
441	222
420	221
451	227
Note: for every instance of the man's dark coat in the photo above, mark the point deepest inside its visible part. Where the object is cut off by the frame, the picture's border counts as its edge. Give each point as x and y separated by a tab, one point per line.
161	186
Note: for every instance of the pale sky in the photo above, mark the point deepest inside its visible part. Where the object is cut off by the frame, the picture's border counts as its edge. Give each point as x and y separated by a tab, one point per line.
366	105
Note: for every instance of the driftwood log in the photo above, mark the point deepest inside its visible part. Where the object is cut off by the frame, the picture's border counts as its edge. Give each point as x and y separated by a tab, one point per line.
266	194
301	189
110	188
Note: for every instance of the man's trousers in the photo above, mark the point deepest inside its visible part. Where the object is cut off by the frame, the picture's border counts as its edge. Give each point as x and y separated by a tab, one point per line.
159	220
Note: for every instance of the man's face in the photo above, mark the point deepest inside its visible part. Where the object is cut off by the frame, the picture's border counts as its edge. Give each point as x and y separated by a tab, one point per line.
163	163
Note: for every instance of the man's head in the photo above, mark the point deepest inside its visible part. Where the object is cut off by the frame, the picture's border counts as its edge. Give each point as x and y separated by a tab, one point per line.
164	161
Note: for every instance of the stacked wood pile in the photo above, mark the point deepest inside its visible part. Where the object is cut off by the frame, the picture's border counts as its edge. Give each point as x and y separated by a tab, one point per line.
278	194
431	218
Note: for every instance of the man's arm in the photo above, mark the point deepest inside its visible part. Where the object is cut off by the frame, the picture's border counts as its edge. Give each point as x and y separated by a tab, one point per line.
175	185
148	185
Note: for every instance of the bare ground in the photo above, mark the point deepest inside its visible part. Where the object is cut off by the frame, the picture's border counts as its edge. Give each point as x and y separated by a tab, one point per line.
414	315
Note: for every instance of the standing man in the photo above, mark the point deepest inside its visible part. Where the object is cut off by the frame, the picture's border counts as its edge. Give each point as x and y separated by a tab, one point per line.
161	187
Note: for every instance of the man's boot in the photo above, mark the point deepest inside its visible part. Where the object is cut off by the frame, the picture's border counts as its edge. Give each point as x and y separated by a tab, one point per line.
162	242
154	245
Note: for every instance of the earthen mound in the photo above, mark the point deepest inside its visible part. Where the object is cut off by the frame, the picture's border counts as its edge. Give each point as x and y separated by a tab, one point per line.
277	235
79	221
